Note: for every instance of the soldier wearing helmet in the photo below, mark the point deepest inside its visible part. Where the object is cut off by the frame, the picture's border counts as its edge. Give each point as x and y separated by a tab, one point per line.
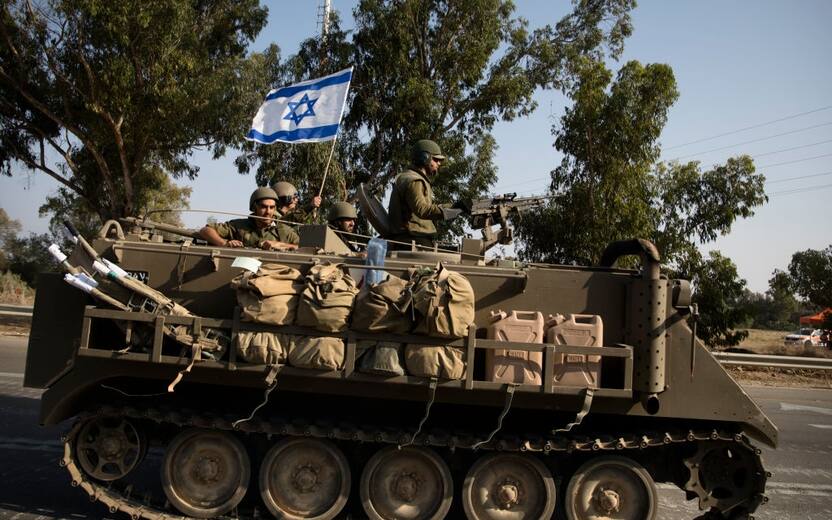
412	212
342	219
258	230
287	204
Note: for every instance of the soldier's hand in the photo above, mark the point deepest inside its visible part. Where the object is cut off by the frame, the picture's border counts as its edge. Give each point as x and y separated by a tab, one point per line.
316	201
233	243
450	213
464	205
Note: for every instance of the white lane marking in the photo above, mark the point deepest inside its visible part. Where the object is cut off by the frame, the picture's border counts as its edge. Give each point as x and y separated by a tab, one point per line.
788	407
782	488
822	426
11	374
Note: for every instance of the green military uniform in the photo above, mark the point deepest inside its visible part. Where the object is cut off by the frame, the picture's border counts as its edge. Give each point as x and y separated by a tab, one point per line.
412	210
246	231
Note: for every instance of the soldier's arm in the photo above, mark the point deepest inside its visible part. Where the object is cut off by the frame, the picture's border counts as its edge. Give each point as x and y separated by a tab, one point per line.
219	236
276	244
420	205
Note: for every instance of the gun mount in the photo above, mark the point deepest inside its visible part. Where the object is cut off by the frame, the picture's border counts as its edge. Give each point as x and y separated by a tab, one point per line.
489	212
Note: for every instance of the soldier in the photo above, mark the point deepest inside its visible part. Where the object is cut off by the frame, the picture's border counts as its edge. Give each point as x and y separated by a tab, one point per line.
287	204
412	212
259	230
342	218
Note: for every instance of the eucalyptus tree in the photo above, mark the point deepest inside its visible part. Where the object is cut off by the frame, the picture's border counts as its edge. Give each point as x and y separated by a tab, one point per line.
111	98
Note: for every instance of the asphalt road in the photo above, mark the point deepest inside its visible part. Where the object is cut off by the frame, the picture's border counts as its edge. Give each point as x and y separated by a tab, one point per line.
34	487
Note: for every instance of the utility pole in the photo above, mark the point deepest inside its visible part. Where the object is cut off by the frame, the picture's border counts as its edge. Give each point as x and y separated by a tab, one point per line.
324	9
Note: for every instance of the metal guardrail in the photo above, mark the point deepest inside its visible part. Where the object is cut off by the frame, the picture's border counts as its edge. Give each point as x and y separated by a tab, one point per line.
725	358
762	360
16	311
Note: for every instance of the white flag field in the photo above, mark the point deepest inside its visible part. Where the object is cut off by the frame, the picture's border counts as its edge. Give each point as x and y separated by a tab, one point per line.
306	112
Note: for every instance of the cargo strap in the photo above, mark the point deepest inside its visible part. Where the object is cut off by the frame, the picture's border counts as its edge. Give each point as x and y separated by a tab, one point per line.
196	355
271	384
509	398
588	393
432	385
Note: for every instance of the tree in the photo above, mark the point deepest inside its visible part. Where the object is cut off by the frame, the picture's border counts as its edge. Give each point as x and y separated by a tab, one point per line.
811	274
441	69
783	303
107	98
9	228
602	191
25	257
718	292
609	186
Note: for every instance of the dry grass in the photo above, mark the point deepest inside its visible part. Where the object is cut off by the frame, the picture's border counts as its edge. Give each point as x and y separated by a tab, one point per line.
770	342
14	291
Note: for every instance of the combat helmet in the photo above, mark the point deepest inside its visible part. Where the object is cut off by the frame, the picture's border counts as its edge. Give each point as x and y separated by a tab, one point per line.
341	210
263	192
425	149
286	192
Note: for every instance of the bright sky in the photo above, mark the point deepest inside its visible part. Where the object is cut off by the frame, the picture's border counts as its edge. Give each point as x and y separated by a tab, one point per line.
752	63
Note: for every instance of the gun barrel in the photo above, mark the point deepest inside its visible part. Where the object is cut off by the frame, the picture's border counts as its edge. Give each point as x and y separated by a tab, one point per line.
161	226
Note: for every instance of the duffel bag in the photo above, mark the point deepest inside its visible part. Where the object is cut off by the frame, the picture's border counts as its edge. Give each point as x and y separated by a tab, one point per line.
444	302
379	357
270	295
384	307
435	361
327	298
262	348
321	353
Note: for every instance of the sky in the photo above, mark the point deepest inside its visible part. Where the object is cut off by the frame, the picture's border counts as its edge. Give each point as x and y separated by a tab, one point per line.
754	78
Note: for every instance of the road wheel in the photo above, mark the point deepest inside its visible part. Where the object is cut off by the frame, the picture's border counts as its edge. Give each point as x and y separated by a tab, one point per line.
611	487
406	484
508	486
305	479
109	448
205	473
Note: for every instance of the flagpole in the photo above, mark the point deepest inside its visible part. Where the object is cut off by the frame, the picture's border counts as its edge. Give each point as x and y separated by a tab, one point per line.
328	161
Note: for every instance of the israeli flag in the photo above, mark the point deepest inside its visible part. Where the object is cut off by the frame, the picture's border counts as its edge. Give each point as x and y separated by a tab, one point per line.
307	112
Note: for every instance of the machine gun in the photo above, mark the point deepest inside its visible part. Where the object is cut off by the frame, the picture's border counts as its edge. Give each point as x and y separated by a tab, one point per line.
486	213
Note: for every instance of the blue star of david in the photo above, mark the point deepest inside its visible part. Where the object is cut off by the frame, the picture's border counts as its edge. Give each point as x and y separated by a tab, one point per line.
293	107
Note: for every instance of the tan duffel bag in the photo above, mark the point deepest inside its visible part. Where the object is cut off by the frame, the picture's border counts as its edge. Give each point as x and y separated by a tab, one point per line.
262	348
317	352
444	301
384	307
435	361
327	298
270	295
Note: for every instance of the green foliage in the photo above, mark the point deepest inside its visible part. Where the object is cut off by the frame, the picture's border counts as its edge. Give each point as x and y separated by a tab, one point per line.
609	187
121	92
811	275
777	309
603	189
719	293
9	228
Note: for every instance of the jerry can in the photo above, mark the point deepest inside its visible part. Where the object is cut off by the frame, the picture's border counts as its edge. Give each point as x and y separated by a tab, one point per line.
515	366
584	330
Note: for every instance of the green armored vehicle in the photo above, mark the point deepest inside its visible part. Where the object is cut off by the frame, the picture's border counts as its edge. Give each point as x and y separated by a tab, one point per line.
453	387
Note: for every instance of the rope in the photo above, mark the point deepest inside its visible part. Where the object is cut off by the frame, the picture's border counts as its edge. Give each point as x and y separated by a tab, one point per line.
589	392
509	398
432	386
266	394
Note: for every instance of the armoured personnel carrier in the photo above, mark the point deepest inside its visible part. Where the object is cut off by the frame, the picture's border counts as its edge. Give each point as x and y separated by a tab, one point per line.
570	392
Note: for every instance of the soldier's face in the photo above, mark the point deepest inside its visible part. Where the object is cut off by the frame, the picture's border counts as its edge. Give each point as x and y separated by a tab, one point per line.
433	165
265	209
346	224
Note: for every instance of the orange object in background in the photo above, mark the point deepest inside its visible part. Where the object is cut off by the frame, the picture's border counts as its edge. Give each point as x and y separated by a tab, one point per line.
816	319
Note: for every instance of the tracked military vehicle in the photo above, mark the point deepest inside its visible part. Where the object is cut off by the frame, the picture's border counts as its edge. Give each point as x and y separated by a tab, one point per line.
579	389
